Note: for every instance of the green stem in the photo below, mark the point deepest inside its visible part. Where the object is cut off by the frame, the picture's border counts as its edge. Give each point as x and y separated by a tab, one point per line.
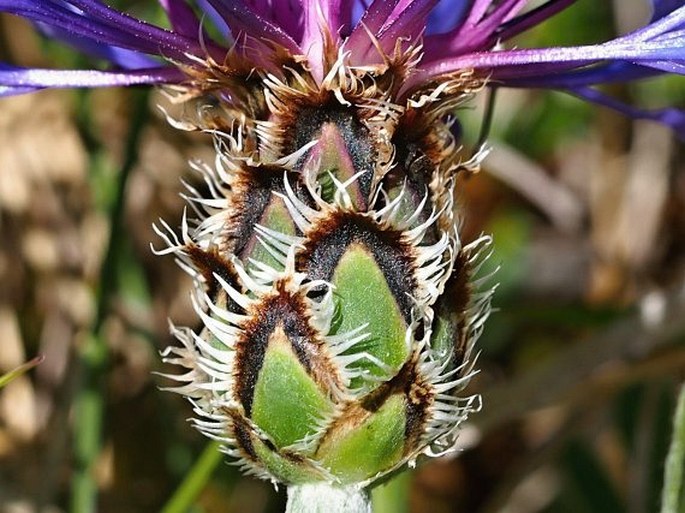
89	407
15	373
108	271
673	494
487	117
93	358
326	498
195	480
393	495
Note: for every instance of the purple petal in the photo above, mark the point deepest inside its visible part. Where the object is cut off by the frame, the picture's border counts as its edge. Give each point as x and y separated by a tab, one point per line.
517	64
16	77
478	11
110	27
358	10
617	71
127	59
215	18
663	7
667	23
376	16
242	20
286	14
532	18
360	42
408	23
135	27
387	21
348	16
671	117
668	66
14	91
321	20
478	32
484	18
182	18
504	12
446	16
660	45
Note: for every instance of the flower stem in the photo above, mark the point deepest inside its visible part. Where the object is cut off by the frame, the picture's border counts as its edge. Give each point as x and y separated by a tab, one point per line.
326	498
195	480
93	357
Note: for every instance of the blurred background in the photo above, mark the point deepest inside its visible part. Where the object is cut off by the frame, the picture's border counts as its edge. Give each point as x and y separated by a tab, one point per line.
580	363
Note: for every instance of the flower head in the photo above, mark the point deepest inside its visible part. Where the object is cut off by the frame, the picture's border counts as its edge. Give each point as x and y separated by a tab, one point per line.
340	307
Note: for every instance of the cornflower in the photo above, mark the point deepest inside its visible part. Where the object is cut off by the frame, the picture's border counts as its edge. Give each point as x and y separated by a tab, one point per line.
340	307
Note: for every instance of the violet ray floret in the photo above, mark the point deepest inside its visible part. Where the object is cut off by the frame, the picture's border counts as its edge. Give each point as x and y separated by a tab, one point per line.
471	40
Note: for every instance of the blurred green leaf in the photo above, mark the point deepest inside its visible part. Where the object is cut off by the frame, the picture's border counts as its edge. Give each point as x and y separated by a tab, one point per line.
673	494
195	480
660	436
593	490
15	373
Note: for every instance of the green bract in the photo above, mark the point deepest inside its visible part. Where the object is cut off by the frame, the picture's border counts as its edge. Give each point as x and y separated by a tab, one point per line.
337	301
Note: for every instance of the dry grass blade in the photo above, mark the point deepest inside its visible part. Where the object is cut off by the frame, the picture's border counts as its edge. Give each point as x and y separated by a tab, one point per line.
22	369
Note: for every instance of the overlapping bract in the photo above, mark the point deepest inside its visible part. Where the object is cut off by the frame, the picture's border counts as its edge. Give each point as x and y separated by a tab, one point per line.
338	303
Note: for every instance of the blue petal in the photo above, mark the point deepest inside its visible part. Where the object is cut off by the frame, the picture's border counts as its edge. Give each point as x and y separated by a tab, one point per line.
286	14
17	78
242	20
446	16
358	9
532	18
662	8
660	46
13	91
478	30
671	117
182	17
409	23
214	17
92	20
127	59
617	71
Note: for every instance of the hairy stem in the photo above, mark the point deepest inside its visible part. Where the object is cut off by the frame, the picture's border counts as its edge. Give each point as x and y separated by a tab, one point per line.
326	498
